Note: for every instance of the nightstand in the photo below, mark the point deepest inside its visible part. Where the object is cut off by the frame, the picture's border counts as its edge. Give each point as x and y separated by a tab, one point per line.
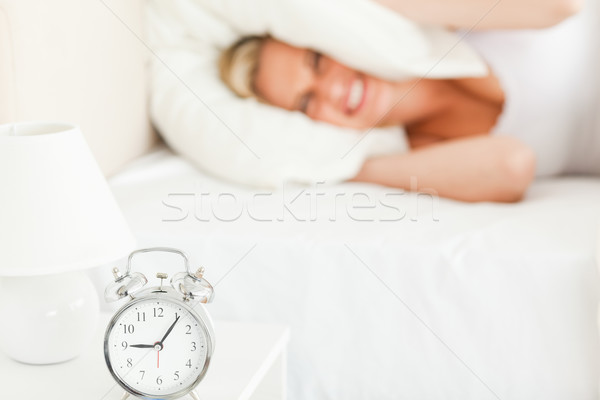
249	363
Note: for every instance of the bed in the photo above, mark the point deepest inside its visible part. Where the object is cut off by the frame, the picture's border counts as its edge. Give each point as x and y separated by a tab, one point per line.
389	294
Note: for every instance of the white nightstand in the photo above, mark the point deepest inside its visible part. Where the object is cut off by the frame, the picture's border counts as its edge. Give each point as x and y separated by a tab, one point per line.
249	363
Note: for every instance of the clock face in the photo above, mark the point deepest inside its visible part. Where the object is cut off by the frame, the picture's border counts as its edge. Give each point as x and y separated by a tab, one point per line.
157	347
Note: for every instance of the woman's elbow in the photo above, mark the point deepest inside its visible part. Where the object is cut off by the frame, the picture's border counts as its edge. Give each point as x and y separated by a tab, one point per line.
563	9
518	171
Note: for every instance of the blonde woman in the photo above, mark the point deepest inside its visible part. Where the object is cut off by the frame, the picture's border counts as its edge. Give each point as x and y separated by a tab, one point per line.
467	142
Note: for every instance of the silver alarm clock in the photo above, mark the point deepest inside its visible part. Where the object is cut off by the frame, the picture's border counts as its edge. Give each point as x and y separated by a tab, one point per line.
160	343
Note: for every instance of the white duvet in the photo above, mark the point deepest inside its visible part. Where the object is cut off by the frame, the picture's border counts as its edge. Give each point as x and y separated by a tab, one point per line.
390	296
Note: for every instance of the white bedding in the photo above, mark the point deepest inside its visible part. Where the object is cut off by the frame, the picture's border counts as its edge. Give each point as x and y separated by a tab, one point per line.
454	301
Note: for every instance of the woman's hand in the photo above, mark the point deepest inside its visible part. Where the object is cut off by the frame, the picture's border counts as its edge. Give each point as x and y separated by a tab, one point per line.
486	14
479	168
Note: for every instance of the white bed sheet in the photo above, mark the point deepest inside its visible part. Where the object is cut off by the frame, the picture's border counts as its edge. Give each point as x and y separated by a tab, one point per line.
452	301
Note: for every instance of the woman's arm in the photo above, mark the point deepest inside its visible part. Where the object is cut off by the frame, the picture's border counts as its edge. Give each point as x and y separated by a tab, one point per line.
481	168
486	14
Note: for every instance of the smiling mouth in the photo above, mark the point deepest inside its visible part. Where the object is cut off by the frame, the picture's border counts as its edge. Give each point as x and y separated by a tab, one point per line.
356	95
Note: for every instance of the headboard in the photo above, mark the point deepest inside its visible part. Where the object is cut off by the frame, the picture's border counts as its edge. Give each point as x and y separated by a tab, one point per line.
78	61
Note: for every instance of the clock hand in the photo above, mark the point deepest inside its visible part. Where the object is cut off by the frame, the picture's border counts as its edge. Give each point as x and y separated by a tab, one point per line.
142	346
170	329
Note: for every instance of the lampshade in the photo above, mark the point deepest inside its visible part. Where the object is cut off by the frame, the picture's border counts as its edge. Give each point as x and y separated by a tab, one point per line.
57	213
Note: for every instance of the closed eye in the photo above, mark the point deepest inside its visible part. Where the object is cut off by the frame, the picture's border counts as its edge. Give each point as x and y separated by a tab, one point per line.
316	60
305	102
313	61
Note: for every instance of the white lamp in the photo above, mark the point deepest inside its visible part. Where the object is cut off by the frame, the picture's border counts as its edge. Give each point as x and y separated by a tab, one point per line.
57	218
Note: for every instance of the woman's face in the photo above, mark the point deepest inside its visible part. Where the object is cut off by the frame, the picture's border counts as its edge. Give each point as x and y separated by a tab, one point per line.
300	79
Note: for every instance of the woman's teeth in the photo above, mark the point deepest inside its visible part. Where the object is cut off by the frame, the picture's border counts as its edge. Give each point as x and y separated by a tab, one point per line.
357	91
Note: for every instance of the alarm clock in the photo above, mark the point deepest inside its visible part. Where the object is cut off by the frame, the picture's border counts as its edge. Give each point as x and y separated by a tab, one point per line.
160	343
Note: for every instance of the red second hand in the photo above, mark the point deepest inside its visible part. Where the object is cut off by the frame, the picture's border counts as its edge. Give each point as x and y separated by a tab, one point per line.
158	359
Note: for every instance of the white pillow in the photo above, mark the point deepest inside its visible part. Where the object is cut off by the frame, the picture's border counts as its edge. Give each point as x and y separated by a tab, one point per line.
252	143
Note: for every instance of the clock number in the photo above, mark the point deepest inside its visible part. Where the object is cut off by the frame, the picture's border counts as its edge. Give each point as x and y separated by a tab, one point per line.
159	380
128	328
158	312
176	378
189	363
193	346
143	373
189	329
129	363
141	316
124	345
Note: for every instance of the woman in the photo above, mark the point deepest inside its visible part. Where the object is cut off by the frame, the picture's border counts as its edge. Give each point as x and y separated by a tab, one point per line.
448	122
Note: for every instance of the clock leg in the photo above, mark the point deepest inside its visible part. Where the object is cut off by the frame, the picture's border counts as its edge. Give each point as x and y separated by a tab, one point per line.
194	395
125	396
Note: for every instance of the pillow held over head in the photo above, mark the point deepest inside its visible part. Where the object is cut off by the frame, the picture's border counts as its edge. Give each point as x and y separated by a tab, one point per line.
244	141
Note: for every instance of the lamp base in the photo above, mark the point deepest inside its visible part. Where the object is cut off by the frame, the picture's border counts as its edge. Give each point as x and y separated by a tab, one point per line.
47	319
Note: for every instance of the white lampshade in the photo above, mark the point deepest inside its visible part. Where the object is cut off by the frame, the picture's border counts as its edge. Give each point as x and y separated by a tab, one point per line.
57	213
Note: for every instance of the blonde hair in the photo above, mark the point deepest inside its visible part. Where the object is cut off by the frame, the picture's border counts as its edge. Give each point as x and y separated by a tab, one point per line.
238	65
